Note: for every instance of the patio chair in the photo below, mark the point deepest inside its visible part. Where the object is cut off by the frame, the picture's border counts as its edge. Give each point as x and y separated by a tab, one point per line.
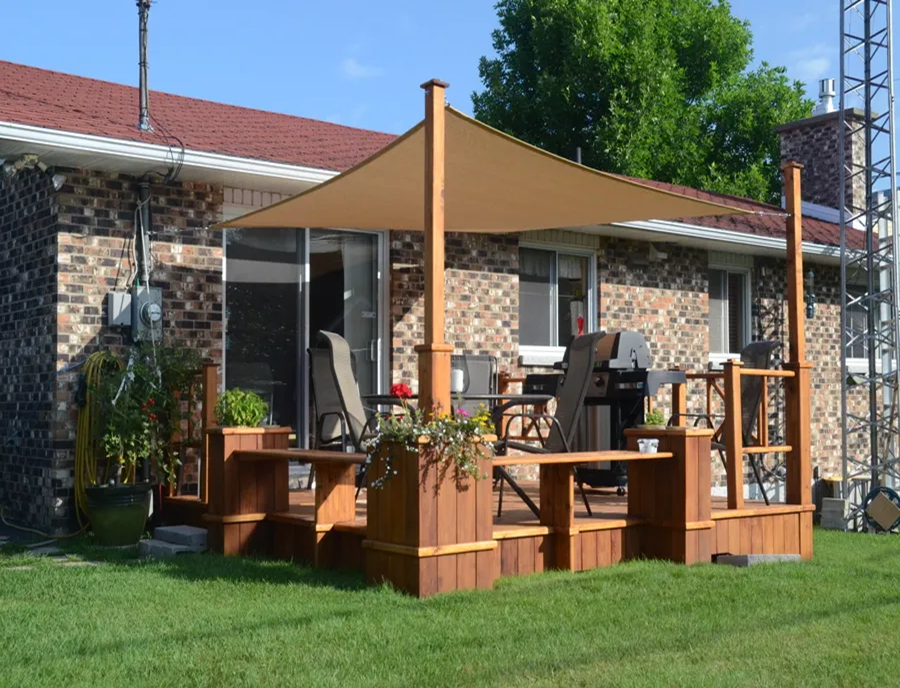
580	357
754	356
480	374
341	419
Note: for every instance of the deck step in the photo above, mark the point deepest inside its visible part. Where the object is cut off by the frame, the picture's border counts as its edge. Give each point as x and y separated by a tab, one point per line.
157	549
182	535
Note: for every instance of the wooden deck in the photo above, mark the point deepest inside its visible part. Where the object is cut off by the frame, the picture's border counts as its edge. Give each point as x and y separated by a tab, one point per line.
605	504
606	538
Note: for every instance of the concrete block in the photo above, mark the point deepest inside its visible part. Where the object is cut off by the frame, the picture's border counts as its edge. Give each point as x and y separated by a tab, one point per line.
834	513
182	535
754	559
157	549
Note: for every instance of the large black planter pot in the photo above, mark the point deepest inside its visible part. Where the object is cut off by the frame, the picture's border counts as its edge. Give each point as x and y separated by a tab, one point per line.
118	514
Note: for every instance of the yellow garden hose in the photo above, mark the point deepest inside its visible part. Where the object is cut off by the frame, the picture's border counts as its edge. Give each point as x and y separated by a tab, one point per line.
87	437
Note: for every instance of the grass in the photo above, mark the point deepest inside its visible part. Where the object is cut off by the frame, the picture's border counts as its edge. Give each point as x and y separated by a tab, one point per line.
210	621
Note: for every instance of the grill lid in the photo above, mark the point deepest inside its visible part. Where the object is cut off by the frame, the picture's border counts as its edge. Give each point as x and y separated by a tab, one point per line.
623	351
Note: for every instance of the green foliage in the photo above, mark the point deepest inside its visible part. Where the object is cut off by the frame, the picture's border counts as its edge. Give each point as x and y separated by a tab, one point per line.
649	89
143	406
654	417
454	437
209	620
237	408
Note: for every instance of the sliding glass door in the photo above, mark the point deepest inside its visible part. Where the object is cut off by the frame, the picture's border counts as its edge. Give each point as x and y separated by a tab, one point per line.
282	286
344	298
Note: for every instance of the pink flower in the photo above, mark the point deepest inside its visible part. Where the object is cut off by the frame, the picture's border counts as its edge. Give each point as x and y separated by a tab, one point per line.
462	412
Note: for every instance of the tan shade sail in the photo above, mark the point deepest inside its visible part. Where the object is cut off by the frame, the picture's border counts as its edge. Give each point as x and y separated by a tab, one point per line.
494	183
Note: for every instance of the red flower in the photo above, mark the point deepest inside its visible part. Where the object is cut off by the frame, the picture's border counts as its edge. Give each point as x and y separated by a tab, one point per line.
401	391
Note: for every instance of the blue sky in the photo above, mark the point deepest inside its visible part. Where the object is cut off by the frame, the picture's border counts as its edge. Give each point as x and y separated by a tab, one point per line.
355	62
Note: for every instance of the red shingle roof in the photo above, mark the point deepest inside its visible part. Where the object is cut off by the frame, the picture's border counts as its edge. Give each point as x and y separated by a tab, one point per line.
54	100
769	222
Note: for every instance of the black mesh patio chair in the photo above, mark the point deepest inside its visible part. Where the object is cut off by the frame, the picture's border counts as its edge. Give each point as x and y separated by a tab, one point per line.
580	357
480	373
754	356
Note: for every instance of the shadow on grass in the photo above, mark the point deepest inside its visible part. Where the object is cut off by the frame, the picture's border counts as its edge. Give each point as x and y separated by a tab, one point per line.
215	567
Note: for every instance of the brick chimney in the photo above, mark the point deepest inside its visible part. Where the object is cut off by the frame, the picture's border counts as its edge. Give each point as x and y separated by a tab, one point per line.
814	141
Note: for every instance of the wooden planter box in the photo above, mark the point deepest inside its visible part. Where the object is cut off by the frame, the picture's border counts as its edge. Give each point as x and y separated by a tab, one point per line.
242	494
429	530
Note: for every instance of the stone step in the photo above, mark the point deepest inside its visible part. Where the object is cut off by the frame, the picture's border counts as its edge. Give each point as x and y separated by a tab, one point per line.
754	559
182	535
157	549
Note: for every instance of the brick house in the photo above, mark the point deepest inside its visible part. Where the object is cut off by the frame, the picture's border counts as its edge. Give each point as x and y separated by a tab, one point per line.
699	289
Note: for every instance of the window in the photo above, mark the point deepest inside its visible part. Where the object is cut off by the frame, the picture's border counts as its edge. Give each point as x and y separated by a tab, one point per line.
857	325
556	296
729	310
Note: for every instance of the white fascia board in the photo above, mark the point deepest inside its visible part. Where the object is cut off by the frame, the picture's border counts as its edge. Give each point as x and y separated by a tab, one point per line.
725	236
155	153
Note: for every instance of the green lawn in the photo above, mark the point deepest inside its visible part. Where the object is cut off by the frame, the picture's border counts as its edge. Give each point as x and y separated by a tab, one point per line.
208	621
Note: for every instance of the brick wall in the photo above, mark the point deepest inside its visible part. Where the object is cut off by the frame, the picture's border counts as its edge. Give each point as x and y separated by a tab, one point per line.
815	143
29	483
482	298
95	232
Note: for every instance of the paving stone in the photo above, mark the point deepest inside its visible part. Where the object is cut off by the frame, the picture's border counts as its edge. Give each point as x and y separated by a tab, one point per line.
754	559
158	549
46	551
80	562
182	535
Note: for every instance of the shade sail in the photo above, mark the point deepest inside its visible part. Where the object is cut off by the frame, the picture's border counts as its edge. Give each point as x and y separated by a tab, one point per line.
494	184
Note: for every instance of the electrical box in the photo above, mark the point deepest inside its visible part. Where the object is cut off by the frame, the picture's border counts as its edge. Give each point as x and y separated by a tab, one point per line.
118	309
146	314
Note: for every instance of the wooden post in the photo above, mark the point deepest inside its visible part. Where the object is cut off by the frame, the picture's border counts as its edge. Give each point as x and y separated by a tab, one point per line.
679	404
434	354
429	529
210	391
734	441
798	482
241	495
672	496
558	513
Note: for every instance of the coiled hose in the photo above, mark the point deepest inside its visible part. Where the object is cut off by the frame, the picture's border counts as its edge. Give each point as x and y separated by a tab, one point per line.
87	437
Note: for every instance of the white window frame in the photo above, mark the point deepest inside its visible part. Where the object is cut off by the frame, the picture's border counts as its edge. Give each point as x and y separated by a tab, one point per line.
545	356
718	359
860	366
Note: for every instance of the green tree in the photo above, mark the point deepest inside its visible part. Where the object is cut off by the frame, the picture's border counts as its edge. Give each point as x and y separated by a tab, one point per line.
658	89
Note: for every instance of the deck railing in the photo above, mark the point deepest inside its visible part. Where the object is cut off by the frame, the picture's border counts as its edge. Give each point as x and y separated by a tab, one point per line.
726	387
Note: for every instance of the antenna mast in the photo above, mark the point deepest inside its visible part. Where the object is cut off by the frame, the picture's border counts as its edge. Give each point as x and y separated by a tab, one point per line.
869	273
143	15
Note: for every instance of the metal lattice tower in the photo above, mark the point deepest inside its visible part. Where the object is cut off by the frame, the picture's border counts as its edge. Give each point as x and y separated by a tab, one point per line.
869	275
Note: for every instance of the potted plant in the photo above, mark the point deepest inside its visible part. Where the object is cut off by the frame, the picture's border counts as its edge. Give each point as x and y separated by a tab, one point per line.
142	408
652	420
238	408
457	442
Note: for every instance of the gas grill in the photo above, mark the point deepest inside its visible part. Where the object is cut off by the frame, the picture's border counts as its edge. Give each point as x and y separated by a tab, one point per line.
621	382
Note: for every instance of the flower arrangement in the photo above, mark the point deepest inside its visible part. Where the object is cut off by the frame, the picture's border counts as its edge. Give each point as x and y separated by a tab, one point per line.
401	391
459	440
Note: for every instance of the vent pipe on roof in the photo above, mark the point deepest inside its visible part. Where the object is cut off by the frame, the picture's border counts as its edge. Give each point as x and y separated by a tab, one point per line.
143	14
826	97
